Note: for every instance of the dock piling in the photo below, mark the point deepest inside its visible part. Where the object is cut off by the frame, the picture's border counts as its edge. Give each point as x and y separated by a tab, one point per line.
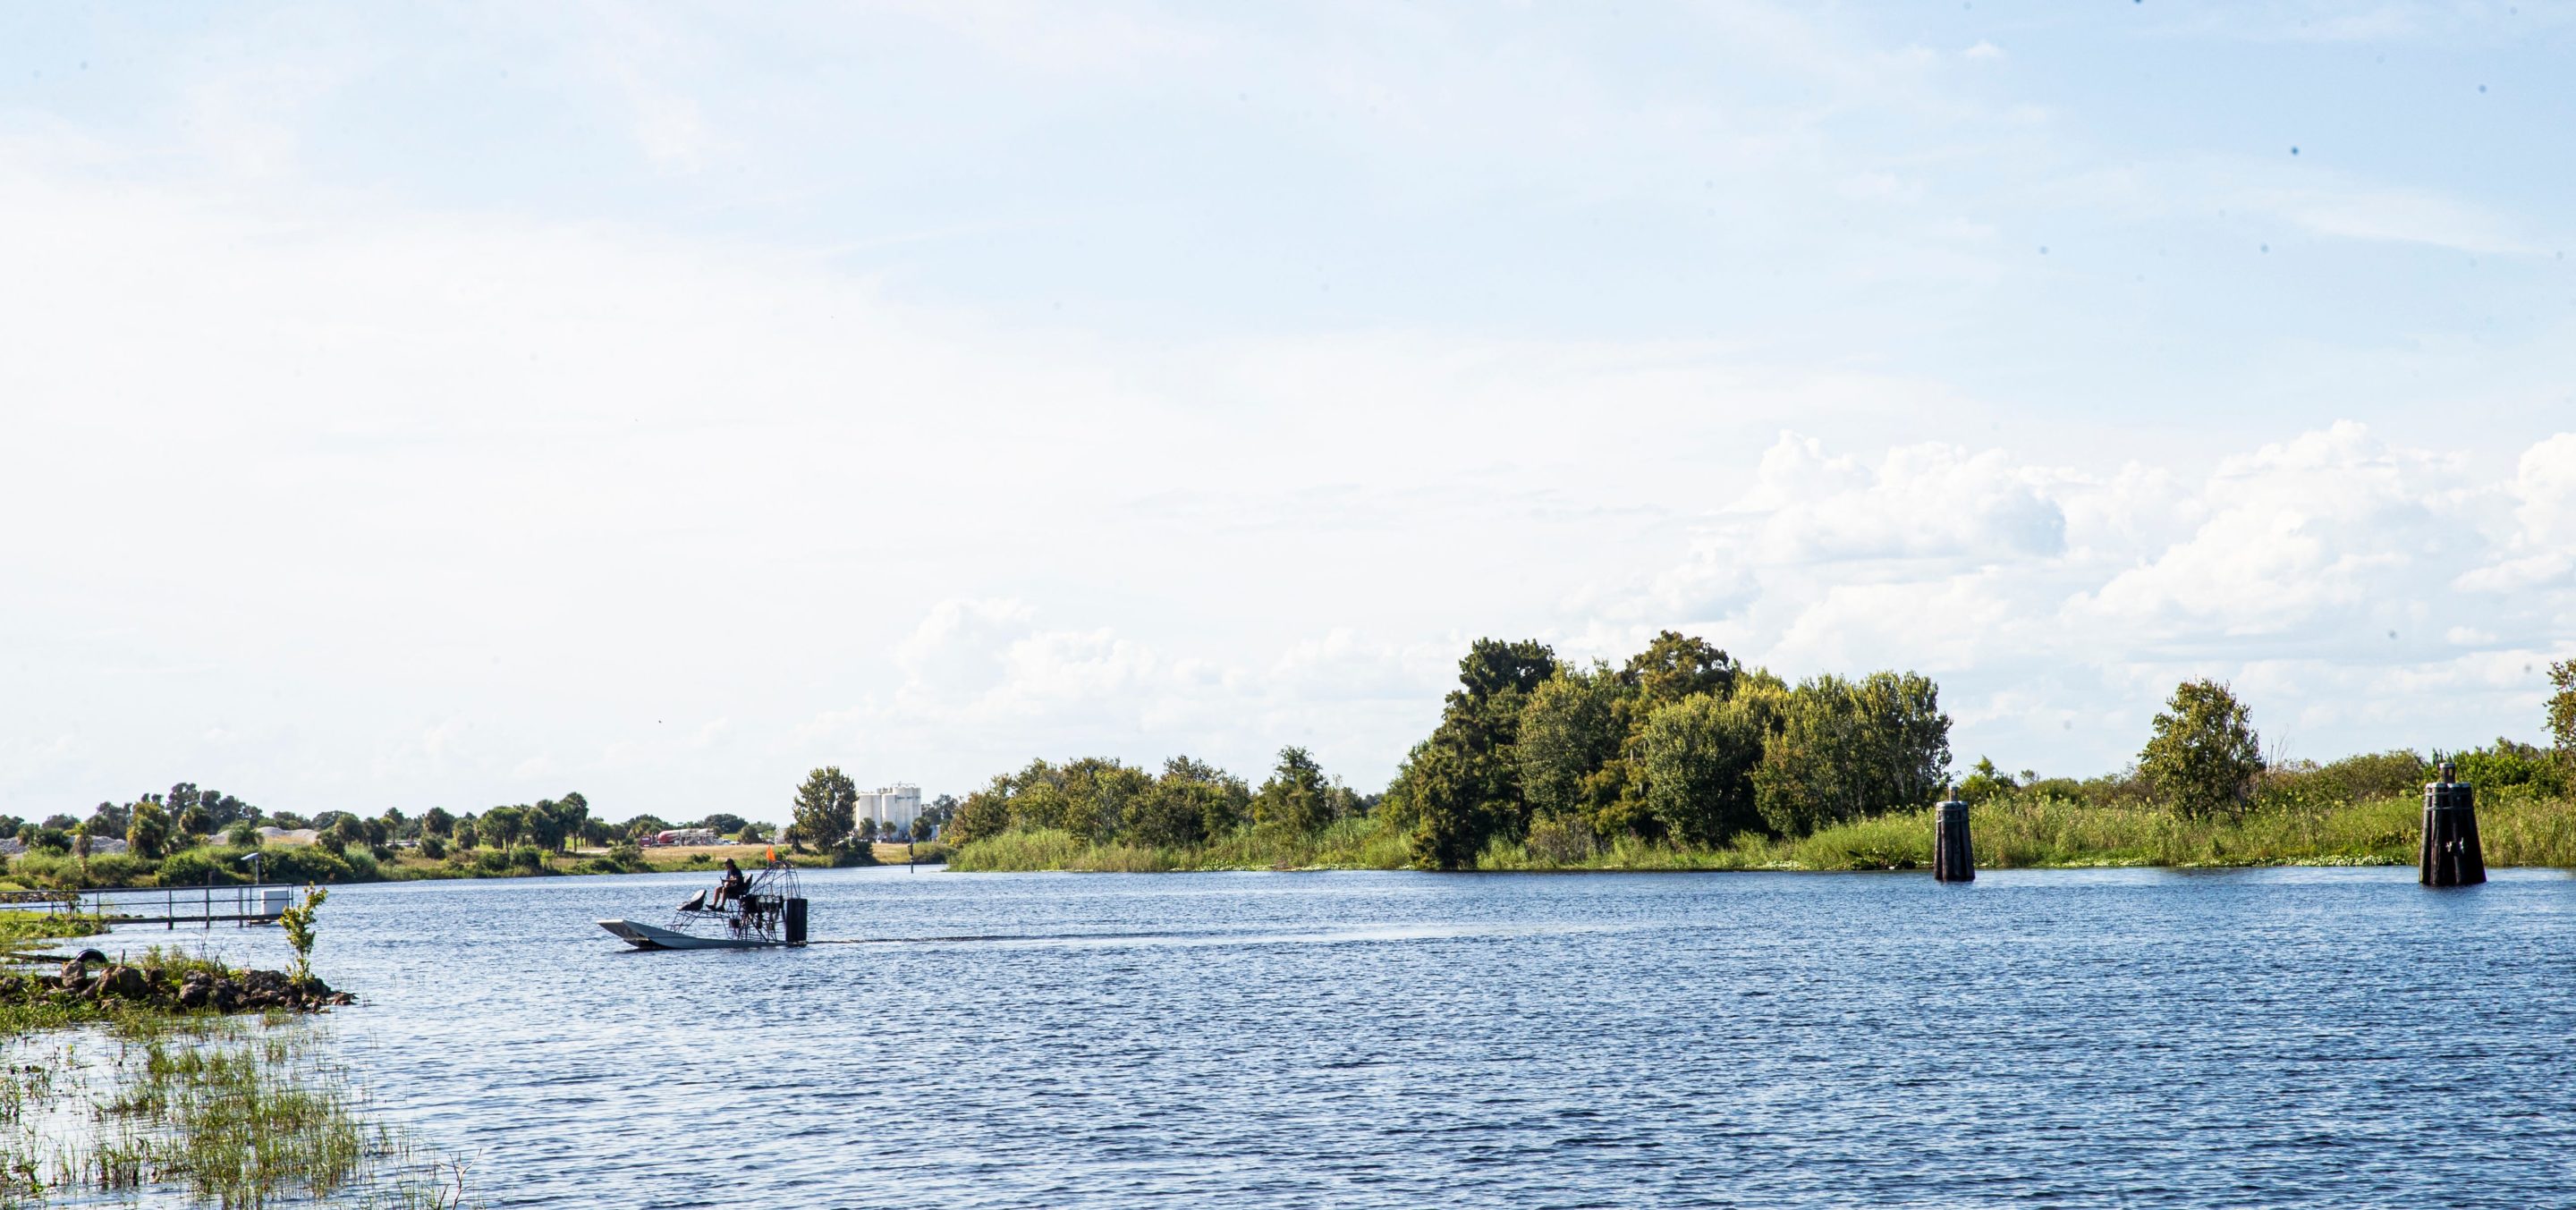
1954	857
2450	854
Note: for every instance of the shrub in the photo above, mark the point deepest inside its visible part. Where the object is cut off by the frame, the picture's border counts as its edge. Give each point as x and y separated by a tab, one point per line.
118	869
2506	763
433	847
200	866
856	853
528	859
304	863
1561	840
2204	754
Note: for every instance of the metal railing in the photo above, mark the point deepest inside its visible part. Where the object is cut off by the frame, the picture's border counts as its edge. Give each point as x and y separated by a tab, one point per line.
207	906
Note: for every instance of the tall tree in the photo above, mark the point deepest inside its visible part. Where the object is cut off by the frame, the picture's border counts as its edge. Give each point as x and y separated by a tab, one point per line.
1460	788
1298	796
147	830
1700	754
2204	753
572	812
502	826
826	808
1675	666
1906	738
986	812
1570	729
544	824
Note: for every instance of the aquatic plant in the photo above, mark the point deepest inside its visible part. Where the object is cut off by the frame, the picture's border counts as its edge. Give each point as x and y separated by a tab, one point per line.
298	923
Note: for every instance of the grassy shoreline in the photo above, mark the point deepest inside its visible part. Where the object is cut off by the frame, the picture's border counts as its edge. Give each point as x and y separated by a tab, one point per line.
2019	832
307	863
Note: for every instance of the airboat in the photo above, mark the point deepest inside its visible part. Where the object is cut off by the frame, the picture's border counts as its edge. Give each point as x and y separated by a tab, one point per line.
768	911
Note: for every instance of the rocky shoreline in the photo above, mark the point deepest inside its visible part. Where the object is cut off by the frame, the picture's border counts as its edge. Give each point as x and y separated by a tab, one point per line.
193	988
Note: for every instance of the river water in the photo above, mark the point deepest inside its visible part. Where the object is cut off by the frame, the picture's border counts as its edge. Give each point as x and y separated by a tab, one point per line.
2128	1038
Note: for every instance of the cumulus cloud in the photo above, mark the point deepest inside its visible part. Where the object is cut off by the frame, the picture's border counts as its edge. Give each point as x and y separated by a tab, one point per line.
2336	576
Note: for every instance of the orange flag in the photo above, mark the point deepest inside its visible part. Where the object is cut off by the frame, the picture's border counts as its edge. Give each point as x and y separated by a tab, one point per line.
773	854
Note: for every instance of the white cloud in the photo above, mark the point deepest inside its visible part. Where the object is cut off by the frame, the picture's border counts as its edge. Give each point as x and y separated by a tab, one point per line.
2329	576
649	400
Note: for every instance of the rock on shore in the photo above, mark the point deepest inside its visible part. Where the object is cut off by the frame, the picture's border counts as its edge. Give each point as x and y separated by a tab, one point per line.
197	989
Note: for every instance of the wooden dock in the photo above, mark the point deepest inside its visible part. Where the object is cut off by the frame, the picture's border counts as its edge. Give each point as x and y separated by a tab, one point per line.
170	907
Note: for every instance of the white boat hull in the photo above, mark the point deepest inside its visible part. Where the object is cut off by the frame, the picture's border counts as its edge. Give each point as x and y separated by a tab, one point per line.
648	937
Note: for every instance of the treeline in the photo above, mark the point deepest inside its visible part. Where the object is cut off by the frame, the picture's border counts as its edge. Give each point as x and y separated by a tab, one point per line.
1679	743
190	836
1097	800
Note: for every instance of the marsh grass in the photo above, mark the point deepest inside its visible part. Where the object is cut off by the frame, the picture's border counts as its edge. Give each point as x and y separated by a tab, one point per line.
230	1112
1356	843
2517	827
22	925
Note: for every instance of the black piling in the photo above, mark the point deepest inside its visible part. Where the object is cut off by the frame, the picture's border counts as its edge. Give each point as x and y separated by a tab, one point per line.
795	922
1954	858
2450	855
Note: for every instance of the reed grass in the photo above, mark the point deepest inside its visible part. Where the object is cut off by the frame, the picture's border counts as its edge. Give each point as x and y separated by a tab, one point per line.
236	1113
2517	827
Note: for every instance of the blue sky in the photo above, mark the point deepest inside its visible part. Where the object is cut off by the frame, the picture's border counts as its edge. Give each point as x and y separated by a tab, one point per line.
459	406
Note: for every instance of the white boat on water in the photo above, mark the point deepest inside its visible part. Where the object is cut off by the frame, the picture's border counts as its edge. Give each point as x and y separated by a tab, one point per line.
767	909
647	937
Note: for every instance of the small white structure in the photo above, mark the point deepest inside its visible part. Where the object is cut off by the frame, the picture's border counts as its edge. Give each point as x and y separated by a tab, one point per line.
894	806
680	836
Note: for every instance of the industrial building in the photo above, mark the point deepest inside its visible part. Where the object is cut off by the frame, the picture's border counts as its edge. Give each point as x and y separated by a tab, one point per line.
891	806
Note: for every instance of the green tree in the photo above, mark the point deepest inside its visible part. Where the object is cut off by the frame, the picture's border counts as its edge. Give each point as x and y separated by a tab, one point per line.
2204	753
1459	795
986	812
2562	710
1906	740
1846	749
1190	803
437	822
1460	788
147	830
1984	782
1298	796
195	821
467	832
1675	666
502	826
1569	730
1094	794
572	815
826	807
1699	756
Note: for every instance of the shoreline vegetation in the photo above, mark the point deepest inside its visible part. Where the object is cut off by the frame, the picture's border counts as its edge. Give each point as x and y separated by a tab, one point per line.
2015	833
194	838
171	1073
1681	759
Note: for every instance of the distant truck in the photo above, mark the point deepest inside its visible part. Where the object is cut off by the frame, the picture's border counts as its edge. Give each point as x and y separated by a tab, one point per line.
680	836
